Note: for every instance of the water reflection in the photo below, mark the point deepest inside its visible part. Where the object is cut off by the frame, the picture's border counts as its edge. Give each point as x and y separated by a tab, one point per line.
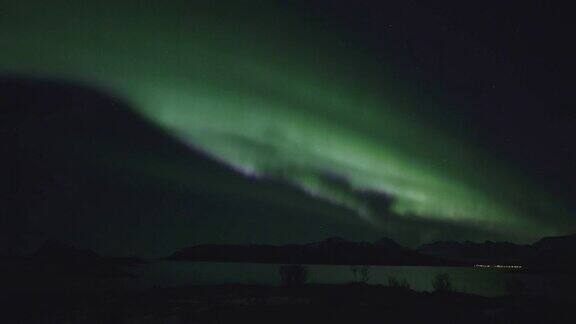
487	282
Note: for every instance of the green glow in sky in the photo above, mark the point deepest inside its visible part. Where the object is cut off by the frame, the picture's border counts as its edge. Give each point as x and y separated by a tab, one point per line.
270	93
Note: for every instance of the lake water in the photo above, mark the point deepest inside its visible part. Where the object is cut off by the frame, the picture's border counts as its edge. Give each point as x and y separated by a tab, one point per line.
487	282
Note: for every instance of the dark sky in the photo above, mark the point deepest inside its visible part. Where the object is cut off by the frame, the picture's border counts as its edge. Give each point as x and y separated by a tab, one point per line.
87	162
508	68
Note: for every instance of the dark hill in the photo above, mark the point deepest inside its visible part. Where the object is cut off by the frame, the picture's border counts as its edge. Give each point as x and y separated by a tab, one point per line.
329	251
548	254
57	250
554	253
485	253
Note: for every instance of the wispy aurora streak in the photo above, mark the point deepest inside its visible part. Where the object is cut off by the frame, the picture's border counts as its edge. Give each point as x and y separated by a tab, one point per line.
272	94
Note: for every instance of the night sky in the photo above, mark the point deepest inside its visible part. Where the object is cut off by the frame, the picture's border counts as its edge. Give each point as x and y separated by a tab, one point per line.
137	128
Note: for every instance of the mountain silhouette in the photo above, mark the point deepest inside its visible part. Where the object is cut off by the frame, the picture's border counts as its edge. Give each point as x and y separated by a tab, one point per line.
333	250
472	252
547	254
58	250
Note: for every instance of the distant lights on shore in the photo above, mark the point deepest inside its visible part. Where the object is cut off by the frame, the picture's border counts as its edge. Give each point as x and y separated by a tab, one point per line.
503	266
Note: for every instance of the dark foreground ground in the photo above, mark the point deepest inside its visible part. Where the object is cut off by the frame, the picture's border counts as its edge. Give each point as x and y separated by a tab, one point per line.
353	303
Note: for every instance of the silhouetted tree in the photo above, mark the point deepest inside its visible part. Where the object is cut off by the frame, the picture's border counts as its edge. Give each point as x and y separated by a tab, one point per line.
364	273
293	274
393	282
360	273
442	282
355	269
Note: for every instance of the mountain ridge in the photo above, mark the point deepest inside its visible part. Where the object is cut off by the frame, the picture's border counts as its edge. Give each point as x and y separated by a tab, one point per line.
333	250
546	254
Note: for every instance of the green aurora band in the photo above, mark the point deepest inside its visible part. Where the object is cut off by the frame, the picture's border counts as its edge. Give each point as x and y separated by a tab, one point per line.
272	93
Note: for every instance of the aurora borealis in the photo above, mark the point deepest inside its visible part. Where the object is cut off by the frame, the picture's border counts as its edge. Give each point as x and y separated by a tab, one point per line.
274	93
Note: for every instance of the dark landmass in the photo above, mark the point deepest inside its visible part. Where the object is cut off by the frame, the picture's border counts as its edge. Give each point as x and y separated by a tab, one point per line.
63	284
554	254
551	254
351	303
330	251
59	252
57	266
478	253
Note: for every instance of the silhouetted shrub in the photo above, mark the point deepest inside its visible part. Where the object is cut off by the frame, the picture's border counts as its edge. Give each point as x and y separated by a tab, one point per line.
355	269
514	287
393	282
293	274
364	273
360	273
442	282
